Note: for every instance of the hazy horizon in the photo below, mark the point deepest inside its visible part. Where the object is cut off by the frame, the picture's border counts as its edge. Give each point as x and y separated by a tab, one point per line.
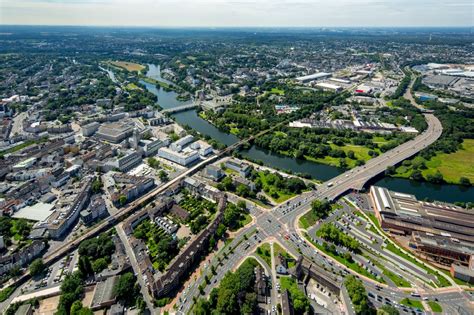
238	13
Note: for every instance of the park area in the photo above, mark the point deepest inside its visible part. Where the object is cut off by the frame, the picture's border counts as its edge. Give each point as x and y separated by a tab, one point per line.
452	166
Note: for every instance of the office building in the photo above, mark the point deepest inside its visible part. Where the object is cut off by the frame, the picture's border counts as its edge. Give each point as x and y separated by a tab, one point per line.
243	169
114	132
183	158
126	161
181	143
214	172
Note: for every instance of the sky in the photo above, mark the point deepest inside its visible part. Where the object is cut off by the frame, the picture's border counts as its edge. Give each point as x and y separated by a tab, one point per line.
291	13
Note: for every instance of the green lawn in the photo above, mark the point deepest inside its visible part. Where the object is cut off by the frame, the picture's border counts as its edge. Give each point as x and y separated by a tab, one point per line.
277	249
307	220
435	307
264	251
5	293
452	166
234	130
360	152
310	218
245	219
288	283
277	91
412	303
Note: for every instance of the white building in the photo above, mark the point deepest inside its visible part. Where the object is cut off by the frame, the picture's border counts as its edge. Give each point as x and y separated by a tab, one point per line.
152	146
126	162
203	147
89	129
179	144
329	87
184	157
313	77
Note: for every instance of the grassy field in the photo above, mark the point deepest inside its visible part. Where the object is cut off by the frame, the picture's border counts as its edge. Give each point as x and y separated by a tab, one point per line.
310	218
264	252
435	307
412	303
360	152
452	166
277	91
132	86
277	249
287	283
129	66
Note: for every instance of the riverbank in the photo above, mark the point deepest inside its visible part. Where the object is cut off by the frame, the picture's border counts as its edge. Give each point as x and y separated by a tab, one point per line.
452	166
321	172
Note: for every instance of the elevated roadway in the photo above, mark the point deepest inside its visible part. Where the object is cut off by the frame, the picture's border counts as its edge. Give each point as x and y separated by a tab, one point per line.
178	109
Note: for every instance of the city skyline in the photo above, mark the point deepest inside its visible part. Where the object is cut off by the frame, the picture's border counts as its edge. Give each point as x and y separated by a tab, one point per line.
222	13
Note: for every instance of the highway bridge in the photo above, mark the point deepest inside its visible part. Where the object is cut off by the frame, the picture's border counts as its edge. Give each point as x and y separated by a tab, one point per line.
181	108
356	178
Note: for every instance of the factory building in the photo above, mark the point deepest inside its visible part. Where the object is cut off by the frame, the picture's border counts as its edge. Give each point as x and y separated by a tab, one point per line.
313	77
404	214
328	87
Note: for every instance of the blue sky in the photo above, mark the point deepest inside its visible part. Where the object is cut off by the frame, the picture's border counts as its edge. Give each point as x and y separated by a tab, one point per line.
239	12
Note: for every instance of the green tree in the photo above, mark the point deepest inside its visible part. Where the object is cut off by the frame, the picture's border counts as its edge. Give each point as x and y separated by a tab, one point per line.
99	265
163	176
242	190
72	290
125	288
358	296
122	200
97	186
37	267
387	310
85	266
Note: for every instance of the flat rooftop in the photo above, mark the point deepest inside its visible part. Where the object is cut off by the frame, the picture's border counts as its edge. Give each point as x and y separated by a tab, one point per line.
37	212
406	211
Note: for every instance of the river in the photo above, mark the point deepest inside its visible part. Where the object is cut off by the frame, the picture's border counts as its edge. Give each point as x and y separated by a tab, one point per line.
422	190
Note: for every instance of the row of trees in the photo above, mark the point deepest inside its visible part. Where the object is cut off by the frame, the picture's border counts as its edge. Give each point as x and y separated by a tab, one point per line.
330	233
358	296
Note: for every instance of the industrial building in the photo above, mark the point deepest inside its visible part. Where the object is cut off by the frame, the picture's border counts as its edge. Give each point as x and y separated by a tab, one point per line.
442	250
328	87
313	77
404	214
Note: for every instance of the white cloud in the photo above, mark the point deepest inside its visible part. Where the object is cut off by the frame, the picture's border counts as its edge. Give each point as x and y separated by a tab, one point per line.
238	12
